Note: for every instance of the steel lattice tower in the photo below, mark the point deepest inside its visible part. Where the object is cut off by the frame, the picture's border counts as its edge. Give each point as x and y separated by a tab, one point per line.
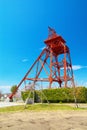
53	64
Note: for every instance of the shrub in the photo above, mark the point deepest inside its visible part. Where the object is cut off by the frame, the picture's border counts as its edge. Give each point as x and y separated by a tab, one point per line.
64	95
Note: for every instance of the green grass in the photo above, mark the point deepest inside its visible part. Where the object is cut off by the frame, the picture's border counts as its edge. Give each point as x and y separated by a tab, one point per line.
39	107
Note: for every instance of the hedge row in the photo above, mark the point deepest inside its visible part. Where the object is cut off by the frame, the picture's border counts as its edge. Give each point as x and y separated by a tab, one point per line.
58	95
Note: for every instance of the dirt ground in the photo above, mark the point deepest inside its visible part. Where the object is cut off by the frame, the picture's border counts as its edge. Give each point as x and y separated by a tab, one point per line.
53	120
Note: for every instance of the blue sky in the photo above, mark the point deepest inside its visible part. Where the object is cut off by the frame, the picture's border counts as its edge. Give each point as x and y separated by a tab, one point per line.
24	27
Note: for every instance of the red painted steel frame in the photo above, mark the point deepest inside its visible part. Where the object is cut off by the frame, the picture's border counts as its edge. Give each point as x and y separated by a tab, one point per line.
55	47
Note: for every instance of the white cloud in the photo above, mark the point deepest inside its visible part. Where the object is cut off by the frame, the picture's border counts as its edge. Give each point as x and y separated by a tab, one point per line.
25	60
5	89
77	67
43	48
85	84
81	83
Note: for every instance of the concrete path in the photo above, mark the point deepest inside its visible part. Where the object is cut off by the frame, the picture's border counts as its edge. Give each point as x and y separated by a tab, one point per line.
7	104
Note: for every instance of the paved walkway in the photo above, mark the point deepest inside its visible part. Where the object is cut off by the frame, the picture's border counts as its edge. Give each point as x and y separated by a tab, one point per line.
7	104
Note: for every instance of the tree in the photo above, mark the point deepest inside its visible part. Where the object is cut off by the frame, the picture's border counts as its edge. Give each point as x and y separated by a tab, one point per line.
13	88
0	94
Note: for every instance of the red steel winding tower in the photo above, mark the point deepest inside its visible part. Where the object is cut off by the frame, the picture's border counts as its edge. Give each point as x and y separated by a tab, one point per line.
53	64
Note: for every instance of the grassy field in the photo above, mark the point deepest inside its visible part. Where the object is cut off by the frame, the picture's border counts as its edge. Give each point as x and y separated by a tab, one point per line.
40	107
